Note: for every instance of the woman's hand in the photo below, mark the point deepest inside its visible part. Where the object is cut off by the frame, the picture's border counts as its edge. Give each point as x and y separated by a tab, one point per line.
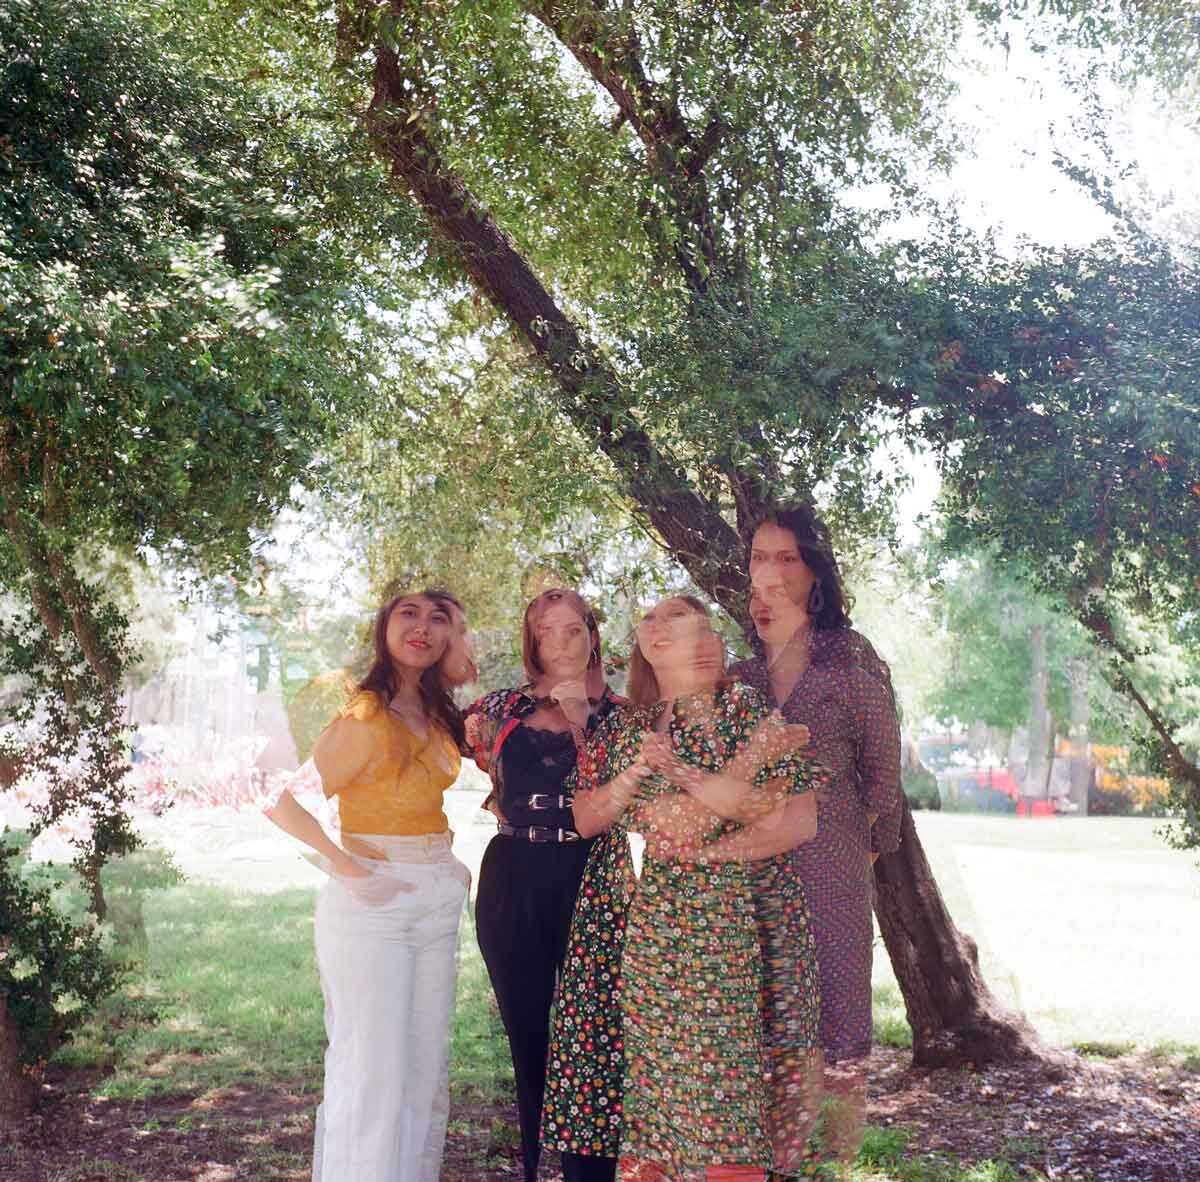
658	753
572	697
623	789
459	666
361	848
770	741
597	809
344	866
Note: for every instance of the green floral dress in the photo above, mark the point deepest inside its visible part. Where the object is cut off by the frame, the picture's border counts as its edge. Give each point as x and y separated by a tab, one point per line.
685	1033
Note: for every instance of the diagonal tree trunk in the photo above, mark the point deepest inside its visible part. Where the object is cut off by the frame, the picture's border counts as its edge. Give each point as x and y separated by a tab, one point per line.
955	1018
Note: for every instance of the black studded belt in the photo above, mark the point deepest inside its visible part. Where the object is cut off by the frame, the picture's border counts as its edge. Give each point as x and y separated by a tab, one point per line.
541	800
539	833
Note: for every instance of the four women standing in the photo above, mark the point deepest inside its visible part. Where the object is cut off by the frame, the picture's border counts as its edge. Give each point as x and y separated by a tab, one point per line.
685	1004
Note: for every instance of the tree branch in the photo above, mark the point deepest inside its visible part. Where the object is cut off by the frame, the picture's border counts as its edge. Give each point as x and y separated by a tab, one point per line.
53	585
589	391
1100	624
606	46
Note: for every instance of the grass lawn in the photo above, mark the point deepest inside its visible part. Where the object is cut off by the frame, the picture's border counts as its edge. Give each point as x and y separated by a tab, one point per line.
1080	922
1087	925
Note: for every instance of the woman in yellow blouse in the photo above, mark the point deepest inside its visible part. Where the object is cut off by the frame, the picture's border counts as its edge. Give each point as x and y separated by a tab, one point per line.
387	921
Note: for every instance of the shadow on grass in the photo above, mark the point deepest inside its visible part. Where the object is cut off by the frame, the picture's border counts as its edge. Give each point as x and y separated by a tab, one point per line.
227	995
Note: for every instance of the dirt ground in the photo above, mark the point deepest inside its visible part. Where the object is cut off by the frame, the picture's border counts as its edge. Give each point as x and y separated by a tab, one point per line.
1122	1120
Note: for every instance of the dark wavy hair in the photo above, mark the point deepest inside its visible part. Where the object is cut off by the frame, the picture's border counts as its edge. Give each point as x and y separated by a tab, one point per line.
833	603
434	685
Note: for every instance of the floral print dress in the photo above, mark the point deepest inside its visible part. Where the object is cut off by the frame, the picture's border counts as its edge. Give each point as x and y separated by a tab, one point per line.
686	1027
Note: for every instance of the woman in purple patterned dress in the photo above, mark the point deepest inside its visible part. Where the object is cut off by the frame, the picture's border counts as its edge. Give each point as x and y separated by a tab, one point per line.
819	672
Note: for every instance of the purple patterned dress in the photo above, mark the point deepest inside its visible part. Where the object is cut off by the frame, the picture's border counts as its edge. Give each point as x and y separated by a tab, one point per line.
845	699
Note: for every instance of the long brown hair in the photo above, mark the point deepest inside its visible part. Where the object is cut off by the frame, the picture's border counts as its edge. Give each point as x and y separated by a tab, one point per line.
642	687
434	685
529	645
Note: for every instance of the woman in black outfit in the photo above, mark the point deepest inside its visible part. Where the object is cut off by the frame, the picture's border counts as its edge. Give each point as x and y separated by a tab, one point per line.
526	740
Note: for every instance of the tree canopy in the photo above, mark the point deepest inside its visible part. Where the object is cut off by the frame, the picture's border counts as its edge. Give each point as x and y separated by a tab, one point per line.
499	264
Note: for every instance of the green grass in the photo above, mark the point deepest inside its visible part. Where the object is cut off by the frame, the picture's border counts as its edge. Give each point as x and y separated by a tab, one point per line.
890	1026
1103	1050
884	1158
228	988
228	995
1078	922
1172	1053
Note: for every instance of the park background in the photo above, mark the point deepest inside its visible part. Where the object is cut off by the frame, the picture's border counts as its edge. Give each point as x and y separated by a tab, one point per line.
304	304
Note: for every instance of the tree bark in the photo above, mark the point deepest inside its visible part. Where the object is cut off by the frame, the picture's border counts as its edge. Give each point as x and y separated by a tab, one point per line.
1081	709
18	1085
591	394
1037	773
956	1020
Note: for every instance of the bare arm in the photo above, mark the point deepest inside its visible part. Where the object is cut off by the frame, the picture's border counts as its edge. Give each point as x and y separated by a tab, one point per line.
598	809
732	792
789	824
341	755
296	821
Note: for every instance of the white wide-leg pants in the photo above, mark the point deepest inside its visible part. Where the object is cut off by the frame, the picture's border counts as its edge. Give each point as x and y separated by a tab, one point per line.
386	956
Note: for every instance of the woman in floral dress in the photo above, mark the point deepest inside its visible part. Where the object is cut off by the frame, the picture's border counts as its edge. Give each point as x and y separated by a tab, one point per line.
702	1068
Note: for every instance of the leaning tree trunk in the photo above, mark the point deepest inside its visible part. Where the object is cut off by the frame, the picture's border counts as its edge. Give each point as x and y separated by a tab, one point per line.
18	1087
956	1020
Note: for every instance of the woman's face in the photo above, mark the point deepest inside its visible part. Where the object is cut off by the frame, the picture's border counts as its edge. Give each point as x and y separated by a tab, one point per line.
563	642
780	582
677	639
418	632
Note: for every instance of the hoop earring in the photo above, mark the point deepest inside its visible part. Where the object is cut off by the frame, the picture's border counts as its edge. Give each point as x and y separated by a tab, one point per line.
816	599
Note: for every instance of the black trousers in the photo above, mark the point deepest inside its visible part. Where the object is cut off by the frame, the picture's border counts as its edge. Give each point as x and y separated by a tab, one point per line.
522	919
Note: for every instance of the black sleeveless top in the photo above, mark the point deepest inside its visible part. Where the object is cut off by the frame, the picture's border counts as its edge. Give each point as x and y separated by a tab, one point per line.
535	761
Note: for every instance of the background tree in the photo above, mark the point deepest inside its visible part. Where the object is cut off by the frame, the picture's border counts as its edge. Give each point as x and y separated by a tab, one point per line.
742	334
178	336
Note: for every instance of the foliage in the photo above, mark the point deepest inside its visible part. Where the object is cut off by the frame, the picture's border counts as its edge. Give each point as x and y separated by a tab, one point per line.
1131	40
66	733
1072	452
989	616
178	333
921	787
171	352
668	208
1118	792
52	971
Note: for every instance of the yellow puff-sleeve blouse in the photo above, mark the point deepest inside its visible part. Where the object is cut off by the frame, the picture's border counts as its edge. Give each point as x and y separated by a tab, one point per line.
399	791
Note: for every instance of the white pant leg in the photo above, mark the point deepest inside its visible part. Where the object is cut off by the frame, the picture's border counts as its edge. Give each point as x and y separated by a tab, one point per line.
370	1126
434	979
